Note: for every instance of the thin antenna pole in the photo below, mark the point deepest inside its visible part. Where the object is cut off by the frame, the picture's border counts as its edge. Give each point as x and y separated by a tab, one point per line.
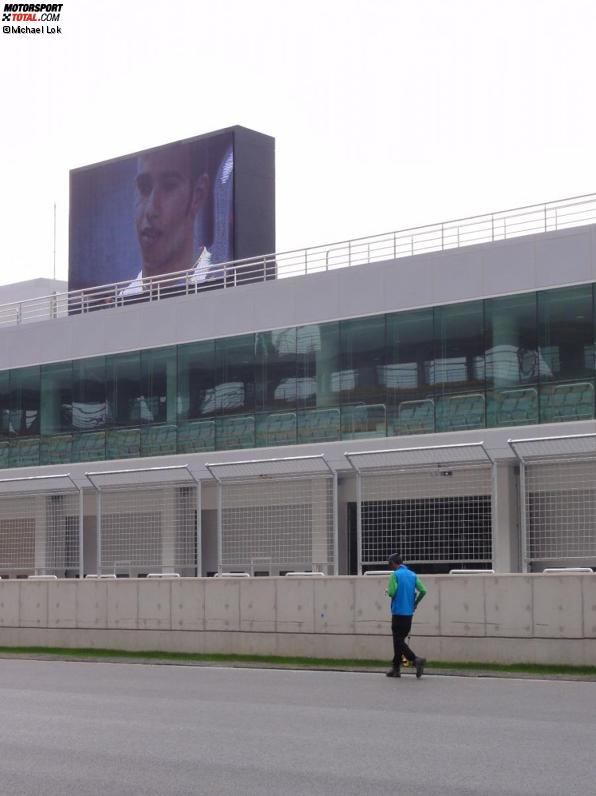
54	241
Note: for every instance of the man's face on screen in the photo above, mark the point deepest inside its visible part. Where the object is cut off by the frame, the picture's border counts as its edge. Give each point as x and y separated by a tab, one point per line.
167	202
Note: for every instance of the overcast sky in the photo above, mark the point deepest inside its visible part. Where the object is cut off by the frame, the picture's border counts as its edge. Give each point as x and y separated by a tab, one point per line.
386	113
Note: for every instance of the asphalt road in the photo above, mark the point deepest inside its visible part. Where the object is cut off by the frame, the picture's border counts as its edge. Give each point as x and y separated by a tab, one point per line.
102	728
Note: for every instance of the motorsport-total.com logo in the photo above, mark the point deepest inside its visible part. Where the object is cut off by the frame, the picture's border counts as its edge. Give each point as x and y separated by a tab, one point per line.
35	17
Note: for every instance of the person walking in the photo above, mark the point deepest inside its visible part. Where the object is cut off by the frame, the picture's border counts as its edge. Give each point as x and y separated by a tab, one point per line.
405	590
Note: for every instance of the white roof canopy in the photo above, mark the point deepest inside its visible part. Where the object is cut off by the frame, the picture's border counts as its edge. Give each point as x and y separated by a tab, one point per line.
270	468
572	446
40	484
410	458
144	476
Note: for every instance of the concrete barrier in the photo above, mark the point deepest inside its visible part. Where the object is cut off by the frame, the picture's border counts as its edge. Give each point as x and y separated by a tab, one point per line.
501	618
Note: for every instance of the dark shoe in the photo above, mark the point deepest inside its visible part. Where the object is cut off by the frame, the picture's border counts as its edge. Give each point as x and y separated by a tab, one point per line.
419	664
393	673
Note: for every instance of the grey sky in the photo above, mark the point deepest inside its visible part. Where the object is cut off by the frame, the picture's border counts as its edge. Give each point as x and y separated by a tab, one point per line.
387	113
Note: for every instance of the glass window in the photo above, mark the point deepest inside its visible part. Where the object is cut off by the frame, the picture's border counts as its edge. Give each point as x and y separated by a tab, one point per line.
317	353
56	398
158	440
363	421
407	371
89	406
512	407
24	401
197	436
123	443
561	403
460	412
89	447
566	333
276	428
235	432
56	449
24	452
511	341
196	380
276	370
318	425
158	385
412	417
235	376
124	389
458	364
362	360
4	404
409	354
4	454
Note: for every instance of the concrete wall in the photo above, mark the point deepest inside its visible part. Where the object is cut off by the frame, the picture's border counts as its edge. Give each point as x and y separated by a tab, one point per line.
30	289
532	262
509	618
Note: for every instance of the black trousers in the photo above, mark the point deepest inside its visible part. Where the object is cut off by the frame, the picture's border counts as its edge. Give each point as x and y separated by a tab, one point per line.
400	627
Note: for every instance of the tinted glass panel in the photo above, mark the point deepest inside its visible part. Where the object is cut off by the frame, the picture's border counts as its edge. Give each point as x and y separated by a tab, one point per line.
317	348
56	449
362	360
124	388
407	372
318	425
196	380
24	401
409	355
89	447
89	407
56	398
276	428
4	403
566	333
235	376
459	348
123	443
460	412
276	369
517	406
561	403
158	440
24	452
511	341
363	421
197	436
515	360
235	432
158	386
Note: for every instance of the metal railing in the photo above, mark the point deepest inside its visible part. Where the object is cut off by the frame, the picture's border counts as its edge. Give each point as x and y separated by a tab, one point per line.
489	228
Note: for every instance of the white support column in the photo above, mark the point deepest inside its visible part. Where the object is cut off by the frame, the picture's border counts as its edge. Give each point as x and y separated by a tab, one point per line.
359	522
41	533
493	513
320	521
335	527
169	528
81	522
219	527
98	520
523	516
199	530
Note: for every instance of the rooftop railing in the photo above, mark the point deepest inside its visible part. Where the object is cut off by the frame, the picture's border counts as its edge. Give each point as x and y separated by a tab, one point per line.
550	216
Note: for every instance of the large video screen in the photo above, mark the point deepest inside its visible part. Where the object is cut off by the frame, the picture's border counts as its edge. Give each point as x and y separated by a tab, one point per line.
172	209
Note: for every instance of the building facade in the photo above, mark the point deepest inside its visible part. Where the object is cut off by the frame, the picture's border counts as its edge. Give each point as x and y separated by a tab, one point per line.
441	403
